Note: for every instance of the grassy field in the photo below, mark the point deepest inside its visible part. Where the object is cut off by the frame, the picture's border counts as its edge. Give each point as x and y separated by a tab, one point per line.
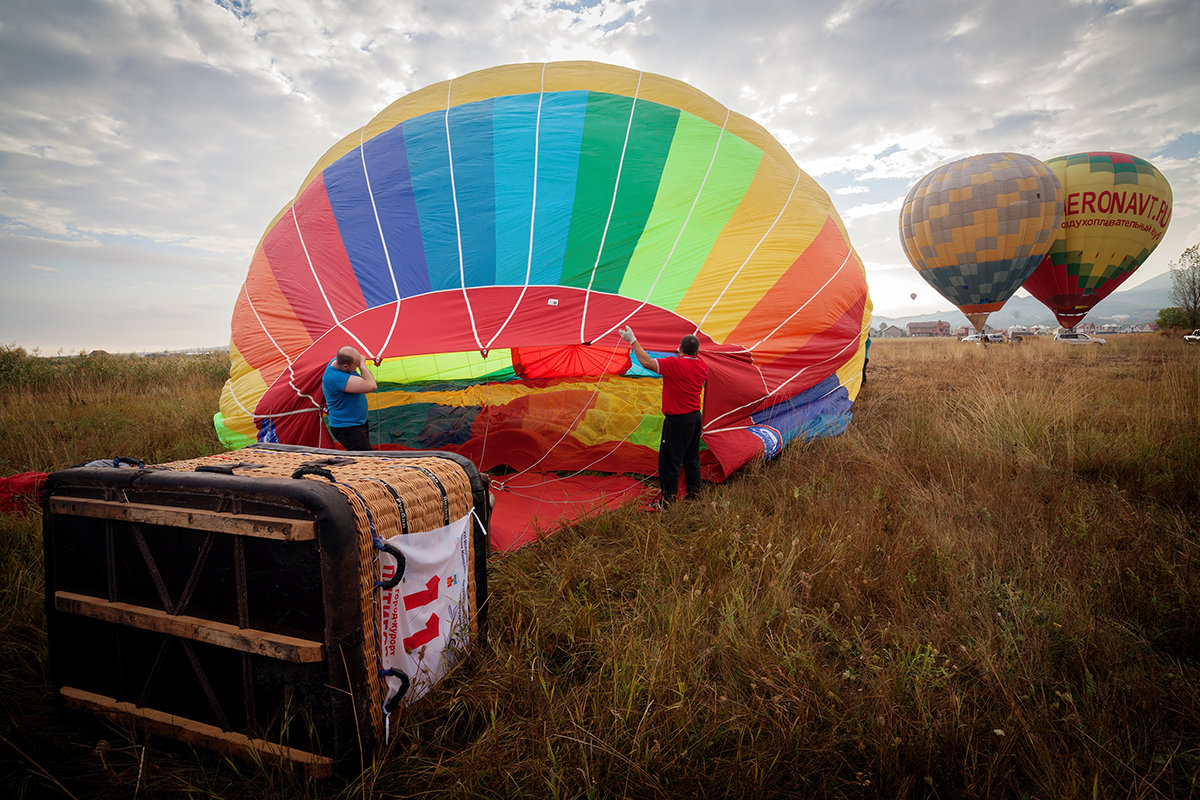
987	587
58	412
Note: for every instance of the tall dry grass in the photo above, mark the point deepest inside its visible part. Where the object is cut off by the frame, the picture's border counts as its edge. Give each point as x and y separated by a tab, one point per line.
987	587
62	411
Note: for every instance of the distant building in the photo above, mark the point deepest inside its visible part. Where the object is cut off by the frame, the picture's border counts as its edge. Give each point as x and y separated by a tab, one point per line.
891	332
939	328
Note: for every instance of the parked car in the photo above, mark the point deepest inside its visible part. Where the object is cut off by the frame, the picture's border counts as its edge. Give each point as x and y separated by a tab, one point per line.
990	338
1193	337
1070	337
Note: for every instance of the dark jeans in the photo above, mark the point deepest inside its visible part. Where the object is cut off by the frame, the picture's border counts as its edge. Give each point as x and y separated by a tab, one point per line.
354	437
680	447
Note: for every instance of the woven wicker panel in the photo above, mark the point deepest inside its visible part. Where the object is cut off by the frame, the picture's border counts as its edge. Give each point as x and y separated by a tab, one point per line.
389	496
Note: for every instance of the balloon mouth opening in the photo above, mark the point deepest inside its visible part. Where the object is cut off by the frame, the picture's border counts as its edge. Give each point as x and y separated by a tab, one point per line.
478	367
492	334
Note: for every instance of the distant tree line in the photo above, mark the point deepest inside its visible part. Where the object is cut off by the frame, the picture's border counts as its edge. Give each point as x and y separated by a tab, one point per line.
1185	292
1185	285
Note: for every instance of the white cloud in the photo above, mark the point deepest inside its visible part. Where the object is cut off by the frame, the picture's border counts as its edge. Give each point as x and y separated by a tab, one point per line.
152	141
890	207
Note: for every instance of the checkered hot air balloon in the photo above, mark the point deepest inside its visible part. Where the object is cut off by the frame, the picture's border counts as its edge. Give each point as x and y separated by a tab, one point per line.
976	229
1116	208
483	239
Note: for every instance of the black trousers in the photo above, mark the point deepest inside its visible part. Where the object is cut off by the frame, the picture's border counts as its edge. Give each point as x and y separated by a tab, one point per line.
680	447
354	437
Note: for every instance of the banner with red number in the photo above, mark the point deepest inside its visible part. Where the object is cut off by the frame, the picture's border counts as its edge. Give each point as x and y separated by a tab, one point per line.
425	619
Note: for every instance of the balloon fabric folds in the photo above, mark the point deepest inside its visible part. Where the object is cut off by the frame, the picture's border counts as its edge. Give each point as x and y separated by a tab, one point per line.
481	241
975	229
1116	208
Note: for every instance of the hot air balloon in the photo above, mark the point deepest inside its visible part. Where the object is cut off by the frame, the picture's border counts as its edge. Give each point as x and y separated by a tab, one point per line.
977	228
482	240
1116	209
912	296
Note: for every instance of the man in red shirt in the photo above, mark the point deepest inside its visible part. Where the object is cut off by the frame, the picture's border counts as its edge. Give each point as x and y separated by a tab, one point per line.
683	378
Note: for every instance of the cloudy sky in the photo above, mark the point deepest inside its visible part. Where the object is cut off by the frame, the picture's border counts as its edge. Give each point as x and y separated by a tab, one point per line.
146	144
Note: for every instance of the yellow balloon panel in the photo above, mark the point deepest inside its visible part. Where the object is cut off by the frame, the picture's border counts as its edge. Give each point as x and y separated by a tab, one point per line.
1115	212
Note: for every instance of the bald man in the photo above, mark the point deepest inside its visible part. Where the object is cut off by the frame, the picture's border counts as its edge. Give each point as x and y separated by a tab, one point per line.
346	384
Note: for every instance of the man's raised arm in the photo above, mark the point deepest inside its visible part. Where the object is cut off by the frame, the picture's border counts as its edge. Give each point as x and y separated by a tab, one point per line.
642	356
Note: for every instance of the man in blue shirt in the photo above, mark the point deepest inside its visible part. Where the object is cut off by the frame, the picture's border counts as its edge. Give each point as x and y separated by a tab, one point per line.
346	397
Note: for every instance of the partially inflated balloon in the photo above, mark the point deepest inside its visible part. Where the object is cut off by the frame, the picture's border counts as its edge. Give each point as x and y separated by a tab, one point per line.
482	240
1115	212
977	228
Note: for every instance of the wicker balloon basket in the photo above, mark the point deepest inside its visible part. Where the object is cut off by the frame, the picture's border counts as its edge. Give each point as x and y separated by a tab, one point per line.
274	601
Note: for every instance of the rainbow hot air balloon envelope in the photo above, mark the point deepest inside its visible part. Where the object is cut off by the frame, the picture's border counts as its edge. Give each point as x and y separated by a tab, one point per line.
1116	209
481	241
975	229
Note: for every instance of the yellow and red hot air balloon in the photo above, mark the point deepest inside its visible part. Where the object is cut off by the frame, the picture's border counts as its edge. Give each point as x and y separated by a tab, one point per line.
975	229
482	240
1116	209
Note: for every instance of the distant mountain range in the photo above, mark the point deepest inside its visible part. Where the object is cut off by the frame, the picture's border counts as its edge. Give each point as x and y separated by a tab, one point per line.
1136	306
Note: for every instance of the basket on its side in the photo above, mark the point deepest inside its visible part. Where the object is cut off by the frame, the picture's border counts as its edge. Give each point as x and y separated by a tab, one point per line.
275	599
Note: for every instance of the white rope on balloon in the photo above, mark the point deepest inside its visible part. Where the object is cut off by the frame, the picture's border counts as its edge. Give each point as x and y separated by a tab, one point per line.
695	201
611	207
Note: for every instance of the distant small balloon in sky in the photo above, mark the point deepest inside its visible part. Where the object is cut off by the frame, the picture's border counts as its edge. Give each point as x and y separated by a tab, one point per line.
912	296
975	229
1116	208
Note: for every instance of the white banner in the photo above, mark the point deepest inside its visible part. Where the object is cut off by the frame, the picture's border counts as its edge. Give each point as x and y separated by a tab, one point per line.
425	619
